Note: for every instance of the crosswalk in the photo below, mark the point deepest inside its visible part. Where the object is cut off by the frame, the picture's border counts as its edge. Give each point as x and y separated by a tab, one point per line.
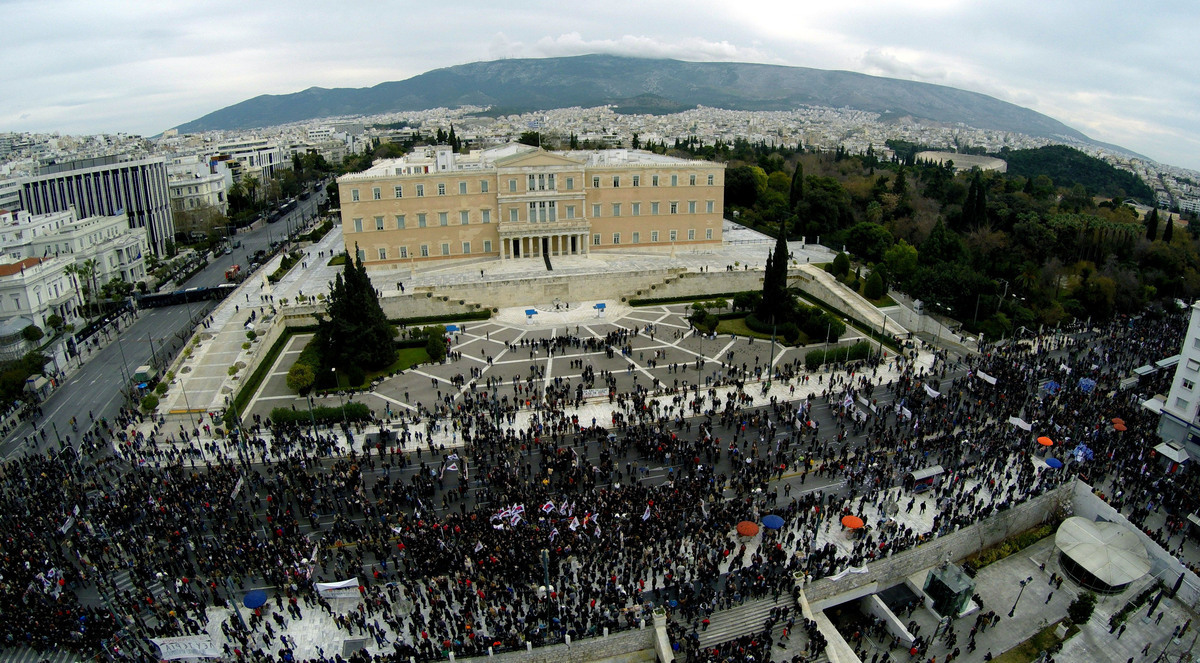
27	655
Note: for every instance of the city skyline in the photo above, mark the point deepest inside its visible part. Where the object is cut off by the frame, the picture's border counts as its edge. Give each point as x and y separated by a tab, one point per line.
129	67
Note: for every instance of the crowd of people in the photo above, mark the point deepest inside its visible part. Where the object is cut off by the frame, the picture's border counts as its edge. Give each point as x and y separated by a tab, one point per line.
552	534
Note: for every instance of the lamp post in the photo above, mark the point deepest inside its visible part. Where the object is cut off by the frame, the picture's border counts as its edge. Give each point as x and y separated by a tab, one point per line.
311	416
1023	584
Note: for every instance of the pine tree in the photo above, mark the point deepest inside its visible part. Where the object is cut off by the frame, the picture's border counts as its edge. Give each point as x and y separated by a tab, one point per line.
1152	225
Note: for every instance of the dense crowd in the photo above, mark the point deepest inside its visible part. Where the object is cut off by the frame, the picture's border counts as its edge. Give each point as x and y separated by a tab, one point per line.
552	534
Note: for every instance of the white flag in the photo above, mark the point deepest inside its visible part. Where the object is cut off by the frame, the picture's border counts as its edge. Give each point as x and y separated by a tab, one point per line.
574	524
478	546
646	516
553	533
452	467
547	507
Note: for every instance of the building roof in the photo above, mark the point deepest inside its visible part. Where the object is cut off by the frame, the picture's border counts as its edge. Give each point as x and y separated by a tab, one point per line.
1111	552
19	266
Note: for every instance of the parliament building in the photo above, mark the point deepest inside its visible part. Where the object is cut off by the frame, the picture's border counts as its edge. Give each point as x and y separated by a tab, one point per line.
516	201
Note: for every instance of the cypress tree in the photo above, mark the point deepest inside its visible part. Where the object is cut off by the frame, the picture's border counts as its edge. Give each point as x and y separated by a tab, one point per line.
1152	225
356	334
797	192
1168	231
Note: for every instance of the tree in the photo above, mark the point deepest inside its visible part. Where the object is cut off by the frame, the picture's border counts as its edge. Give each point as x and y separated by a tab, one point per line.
300	378
797	191
54	321
435	345
874	287
841	265
901	261
32	333
636	143
1168	230
1152	225
530	138
356	334
776	301
1081	609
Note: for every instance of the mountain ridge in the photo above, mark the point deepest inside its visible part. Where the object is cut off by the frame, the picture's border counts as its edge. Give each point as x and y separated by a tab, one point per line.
532	84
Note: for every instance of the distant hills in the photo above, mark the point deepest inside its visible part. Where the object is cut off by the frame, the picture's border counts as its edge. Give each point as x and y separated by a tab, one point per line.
639	85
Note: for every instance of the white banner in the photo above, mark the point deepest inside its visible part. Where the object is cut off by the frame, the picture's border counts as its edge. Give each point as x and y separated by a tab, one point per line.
342	589
1020	423
932	394
595	393
985	377
848	571
189	646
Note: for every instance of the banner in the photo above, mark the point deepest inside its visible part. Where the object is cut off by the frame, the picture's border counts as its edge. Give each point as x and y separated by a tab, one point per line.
1020	423
189	646
342	589
932	394
985	377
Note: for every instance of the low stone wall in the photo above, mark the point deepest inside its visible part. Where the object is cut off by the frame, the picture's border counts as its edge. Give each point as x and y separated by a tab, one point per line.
700	284
955	546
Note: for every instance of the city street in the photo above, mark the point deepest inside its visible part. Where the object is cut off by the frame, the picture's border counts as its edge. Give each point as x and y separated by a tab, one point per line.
93	387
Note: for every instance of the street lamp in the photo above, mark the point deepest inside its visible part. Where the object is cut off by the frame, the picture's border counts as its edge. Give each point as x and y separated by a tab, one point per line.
1023	584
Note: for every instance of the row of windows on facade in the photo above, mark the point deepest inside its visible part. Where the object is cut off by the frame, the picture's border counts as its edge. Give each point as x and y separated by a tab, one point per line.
538	182
597	238
538	212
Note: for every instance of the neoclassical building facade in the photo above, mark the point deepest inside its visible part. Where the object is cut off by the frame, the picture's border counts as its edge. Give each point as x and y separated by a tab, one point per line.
517	201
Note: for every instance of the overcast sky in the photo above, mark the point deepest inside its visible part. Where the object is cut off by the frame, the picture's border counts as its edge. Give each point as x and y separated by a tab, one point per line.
1120	72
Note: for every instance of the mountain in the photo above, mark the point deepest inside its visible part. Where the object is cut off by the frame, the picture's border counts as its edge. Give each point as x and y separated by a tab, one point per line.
638	85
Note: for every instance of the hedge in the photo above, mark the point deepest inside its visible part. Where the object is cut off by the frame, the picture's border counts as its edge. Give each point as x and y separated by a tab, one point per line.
289	261
325	414
1012	545
320	231
484	314
856	352
657	301
242	397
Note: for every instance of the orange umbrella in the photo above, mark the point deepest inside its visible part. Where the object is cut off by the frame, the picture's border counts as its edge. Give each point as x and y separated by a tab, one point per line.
1045	441
1118	420
747	528
852	522
1120	427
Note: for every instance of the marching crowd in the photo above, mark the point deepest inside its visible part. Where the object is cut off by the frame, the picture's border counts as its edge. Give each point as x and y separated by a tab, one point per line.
552	534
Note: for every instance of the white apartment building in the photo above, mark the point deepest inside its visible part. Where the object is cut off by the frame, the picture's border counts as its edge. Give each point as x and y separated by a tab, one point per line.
1180	419
36	288
257	157
119	251
197	183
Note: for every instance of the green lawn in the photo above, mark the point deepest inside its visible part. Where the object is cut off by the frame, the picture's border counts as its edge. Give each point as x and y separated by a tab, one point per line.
737	326
883	302
1031	648
406	358
339	259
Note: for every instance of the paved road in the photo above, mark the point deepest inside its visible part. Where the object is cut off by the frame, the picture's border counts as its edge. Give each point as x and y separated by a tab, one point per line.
96	386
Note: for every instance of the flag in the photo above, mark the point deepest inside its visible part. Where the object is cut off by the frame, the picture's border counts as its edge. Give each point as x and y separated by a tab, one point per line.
553	533
518	509
562	510
847	402
452	457
453	467
547	507
932	394
515	519
478	546
574	524
916	422
597	534
646	516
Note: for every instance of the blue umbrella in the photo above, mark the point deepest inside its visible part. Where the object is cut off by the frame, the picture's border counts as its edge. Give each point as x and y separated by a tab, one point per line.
254	599
1054	462
773	522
